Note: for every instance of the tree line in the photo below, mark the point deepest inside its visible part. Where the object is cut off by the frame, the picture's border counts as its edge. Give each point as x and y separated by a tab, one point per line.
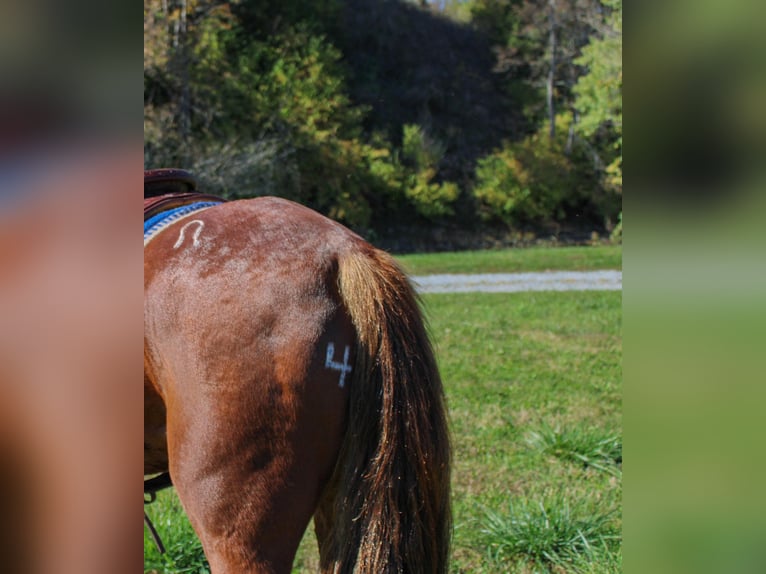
391	115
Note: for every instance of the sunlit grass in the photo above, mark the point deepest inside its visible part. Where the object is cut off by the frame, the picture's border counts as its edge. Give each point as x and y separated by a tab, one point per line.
533	380
515	260
552	533
183	550
586	446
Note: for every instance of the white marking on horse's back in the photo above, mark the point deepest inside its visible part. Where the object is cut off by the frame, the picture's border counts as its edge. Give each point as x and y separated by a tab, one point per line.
195	236
343	367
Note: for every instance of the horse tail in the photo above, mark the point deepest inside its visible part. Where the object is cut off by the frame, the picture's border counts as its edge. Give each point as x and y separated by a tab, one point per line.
388	506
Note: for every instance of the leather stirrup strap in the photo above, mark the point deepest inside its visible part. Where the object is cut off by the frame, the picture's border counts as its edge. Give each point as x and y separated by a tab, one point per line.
151	486
154	533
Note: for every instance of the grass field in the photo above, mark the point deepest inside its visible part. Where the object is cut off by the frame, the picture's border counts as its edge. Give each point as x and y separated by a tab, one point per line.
513	260
533	382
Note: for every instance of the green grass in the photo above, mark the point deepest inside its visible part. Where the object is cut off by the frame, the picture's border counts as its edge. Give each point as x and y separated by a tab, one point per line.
515	365
515	260
550	534
581	445
183	549
533	382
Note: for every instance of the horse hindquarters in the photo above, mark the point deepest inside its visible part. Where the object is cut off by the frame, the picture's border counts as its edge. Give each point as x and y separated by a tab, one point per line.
387	509
246	330
254	416
249	461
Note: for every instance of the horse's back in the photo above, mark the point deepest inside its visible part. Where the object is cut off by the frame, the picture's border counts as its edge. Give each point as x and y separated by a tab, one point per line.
262	235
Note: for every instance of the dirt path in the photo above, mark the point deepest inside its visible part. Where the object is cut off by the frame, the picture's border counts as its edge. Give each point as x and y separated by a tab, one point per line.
515	282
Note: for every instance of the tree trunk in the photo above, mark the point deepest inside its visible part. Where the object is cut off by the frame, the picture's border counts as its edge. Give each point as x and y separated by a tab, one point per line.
551	80
571	135
184	101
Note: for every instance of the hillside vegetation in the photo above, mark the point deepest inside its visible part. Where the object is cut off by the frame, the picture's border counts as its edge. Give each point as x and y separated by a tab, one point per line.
458	119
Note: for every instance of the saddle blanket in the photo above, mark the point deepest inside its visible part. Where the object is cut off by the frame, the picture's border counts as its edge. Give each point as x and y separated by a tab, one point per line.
161	212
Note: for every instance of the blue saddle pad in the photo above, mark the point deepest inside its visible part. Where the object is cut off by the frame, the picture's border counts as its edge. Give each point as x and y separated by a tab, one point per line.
161	220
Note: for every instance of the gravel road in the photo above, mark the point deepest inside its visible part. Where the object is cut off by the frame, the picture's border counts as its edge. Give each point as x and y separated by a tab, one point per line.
515	282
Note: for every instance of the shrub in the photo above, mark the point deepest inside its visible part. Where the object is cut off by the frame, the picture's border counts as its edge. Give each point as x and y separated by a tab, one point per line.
524	182
431	200
540	180
421	153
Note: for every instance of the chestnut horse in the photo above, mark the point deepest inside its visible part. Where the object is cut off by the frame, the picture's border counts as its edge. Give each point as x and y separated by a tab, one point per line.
288	374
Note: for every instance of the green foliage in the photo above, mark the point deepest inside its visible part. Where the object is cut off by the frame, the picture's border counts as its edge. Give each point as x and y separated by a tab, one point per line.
598	95
522	182
336	179
599	92
431	200
517	31
534	180
262	19
290	89
419	148
285	97
458	10
422	154
290	84
616	235
303	88
497	18
263	98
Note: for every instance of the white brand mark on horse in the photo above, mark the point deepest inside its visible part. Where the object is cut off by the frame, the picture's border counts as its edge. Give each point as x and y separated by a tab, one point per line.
195	237
343	367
